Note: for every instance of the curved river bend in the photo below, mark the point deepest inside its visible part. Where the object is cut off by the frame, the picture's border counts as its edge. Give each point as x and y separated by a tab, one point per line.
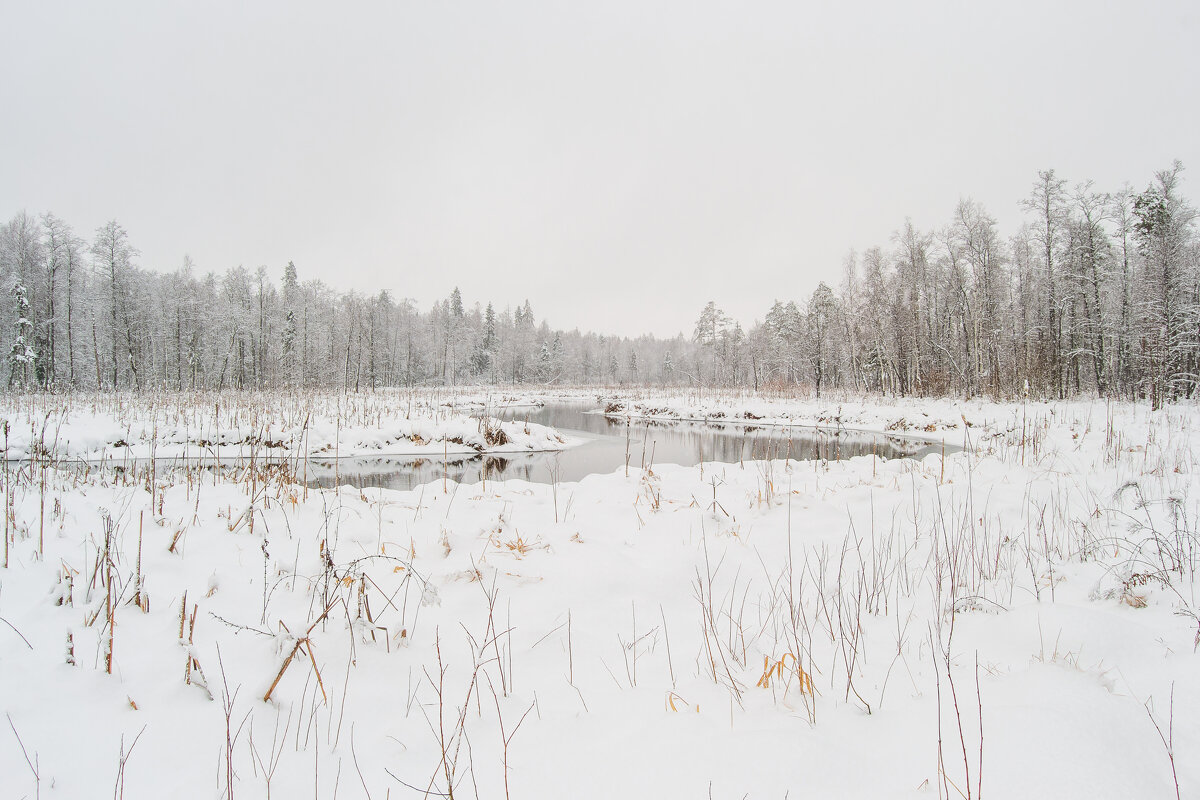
608	442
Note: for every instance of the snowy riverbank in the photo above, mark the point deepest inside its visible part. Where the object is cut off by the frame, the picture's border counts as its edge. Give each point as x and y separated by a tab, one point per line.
955	421
231	425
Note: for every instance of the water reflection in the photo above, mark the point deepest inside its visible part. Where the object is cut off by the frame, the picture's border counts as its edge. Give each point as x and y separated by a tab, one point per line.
611	444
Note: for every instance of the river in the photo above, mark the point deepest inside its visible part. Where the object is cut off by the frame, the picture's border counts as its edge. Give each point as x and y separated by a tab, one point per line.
610	444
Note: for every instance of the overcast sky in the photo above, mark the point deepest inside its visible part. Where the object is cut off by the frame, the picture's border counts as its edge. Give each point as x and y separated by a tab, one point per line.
617	163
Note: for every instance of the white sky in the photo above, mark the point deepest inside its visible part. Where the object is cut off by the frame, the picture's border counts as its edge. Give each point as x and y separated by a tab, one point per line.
617	163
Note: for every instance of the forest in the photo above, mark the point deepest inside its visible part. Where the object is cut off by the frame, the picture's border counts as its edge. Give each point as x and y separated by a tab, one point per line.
1097	293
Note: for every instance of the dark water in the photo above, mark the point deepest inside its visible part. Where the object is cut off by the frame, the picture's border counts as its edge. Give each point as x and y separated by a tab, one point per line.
610	442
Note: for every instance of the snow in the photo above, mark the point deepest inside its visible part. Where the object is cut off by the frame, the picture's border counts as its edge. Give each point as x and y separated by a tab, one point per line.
1043	580
949	419
227	426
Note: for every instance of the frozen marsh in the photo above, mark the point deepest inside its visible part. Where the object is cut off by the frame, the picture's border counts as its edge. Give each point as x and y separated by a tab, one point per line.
1018	616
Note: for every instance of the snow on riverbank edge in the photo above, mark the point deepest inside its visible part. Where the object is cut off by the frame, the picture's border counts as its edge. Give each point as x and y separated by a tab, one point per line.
174	426
952	420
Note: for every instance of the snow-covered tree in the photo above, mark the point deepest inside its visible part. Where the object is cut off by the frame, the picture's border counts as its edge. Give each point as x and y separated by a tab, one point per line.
21	356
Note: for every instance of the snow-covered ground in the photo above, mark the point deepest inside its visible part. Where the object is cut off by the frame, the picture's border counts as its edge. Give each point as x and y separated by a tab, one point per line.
949	420
232	425
1012	620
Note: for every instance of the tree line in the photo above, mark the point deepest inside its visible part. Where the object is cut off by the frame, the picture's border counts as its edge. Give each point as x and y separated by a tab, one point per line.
1096	293
84	315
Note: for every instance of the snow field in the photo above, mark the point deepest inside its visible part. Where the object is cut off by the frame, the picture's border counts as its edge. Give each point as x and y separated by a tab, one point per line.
812	628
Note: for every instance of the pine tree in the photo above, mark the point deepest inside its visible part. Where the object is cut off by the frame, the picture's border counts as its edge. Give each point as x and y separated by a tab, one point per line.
1164	231
709	326
484	353
21	357
544	364
291	291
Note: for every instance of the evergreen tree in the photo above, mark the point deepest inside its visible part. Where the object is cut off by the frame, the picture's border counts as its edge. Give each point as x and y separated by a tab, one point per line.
291	291
21	356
